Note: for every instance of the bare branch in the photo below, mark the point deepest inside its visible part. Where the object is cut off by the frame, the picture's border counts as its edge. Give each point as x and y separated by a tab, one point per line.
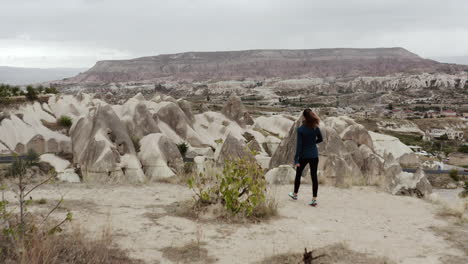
42	183
52	210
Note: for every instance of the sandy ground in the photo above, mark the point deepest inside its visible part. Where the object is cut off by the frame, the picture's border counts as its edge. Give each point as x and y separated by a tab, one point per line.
367	220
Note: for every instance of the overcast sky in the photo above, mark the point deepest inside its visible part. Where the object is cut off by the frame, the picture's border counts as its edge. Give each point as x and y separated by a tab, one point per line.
77	33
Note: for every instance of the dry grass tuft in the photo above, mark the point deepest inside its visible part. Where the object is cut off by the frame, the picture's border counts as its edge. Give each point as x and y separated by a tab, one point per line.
192	252
68	247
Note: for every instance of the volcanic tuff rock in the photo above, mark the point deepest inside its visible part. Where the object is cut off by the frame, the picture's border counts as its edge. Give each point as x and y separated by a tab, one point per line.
235	110
283	174
103	149
232	148
350	159
260	64
160	156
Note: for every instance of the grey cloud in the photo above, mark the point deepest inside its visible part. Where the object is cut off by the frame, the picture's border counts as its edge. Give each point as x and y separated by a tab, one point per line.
149	27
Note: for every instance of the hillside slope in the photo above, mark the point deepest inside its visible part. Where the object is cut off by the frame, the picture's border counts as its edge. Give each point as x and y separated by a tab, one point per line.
232	65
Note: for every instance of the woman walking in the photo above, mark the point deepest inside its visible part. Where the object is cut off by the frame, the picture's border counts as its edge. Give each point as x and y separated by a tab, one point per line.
308	136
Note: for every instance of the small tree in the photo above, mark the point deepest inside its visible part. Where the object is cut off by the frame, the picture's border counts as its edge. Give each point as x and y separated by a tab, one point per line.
19	229
31	93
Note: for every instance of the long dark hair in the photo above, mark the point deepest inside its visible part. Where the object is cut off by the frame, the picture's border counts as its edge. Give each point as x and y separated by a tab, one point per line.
311	119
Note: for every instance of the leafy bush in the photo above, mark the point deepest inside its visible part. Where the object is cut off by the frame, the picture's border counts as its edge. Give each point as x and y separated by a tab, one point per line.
454	175
183	147
241	188
65	121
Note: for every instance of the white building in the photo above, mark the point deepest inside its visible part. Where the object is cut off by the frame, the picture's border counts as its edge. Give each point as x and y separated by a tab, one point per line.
437	133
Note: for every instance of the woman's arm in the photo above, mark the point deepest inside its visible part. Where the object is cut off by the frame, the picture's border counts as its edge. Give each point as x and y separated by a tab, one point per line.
298	147
319	136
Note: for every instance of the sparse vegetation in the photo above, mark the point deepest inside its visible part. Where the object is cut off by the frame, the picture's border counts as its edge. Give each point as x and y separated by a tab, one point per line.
65	121
463	149
240	189
26	238
464	193
454	175
183	148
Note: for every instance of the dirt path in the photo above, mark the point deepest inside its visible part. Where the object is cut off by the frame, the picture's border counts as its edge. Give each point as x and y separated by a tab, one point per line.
366	220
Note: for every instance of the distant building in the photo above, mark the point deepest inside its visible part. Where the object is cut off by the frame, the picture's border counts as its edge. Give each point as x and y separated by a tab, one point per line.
438	133
448	113
465	116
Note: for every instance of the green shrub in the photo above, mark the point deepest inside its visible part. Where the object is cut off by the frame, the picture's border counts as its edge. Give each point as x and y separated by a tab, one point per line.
51	90
241	188
463	149
65	121
32	157
31	93
183	147
454	175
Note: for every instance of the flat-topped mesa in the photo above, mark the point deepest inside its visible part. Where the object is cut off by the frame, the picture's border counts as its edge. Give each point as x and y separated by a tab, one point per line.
258	64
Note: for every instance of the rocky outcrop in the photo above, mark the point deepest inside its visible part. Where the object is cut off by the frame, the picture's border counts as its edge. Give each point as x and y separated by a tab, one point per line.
187	109
138	119
37	144
409	160
350	159
231	149
271	144
359	134
172	115
160	157
254	146
412	184
283	174
234	110
102	148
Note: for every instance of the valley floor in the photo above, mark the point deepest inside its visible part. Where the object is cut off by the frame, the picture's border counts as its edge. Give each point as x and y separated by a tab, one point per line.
368	221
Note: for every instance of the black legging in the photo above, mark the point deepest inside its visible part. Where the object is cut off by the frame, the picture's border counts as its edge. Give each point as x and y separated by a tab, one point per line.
313	164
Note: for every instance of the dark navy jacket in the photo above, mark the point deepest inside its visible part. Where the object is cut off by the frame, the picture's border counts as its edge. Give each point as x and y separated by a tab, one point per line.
307	140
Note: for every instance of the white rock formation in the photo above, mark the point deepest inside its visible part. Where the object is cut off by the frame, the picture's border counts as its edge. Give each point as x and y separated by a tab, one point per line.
160	157
102	148
61	167
283	174
384	144
276	124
